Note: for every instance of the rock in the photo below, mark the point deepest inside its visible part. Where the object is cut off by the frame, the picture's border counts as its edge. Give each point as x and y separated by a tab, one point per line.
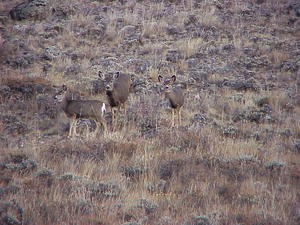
274	166
73	69
198	220
133	172
9	220
24	166
130	223
45	177
52	52
165	220
141	66
147	127
10	213
230	131
18	158
174	56
84	206
4	141
292	65
98	86
198	76
205	31
4	19
94	33
127	30
294	7
252	63
24	61
167	169
103	189
43	173
172	30
238	97
61	13
5	90
199	119
239	85
191	20
52	31
159	188
27	89
252	114
261	101
12	125
47	108
296	145
32	9
148	206
11	189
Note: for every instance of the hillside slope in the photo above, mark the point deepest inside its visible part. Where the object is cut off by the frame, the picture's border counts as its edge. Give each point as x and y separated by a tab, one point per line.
235	158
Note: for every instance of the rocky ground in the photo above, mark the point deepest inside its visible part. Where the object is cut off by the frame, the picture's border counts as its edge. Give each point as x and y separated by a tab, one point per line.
235	158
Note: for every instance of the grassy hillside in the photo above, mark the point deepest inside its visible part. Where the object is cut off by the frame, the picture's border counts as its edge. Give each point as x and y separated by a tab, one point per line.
235	158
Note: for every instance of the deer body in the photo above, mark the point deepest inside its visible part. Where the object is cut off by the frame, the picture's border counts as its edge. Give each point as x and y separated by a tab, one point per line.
174	95
88	109
118	94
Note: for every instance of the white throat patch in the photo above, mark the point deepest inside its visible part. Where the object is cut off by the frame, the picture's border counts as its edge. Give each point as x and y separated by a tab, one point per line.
103	109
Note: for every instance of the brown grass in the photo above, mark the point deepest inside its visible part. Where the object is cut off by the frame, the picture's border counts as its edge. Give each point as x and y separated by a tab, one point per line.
211	168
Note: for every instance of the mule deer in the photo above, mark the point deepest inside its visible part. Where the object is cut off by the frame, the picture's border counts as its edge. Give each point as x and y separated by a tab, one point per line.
118	93
75	109
174	95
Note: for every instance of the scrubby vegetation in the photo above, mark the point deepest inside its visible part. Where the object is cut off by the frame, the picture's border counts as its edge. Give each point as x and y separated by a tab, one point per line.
235	158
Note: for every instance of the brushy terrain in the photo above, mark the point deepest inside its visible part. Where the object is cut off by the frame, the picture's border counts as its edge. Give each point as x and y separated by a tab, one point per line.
235	158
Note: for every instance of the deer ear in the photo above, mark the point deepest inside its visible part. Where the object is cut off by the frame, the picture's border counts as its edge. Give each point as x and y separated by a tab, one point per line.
132	77
100	74
174	78
160	78
117	74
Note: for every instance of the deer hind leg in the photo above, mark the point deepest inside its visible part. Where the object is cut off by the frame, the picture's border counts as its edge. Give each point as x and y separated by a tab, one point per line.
116	117
173	117
98	124
97	129
72	126
87	135
125	111
113	119
179	116
75	127
104	127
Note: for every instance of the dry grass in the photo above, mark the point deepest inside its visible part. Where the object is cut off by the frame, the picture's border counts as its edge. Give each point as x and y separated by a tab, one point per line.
212	168
189	47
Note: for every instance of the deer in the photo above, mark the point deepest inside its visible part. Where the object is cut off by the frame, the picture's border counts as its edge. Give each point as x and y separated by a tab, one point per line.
174	95
118	93
76	109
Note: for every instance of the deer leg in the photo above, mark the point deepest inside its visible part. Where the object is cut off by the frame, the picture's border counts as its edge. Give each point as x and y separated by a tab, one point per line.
113	118
87	131
72	123
117	112
179	116
97	129
104	127
125	111
70	128
173	117
75	127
